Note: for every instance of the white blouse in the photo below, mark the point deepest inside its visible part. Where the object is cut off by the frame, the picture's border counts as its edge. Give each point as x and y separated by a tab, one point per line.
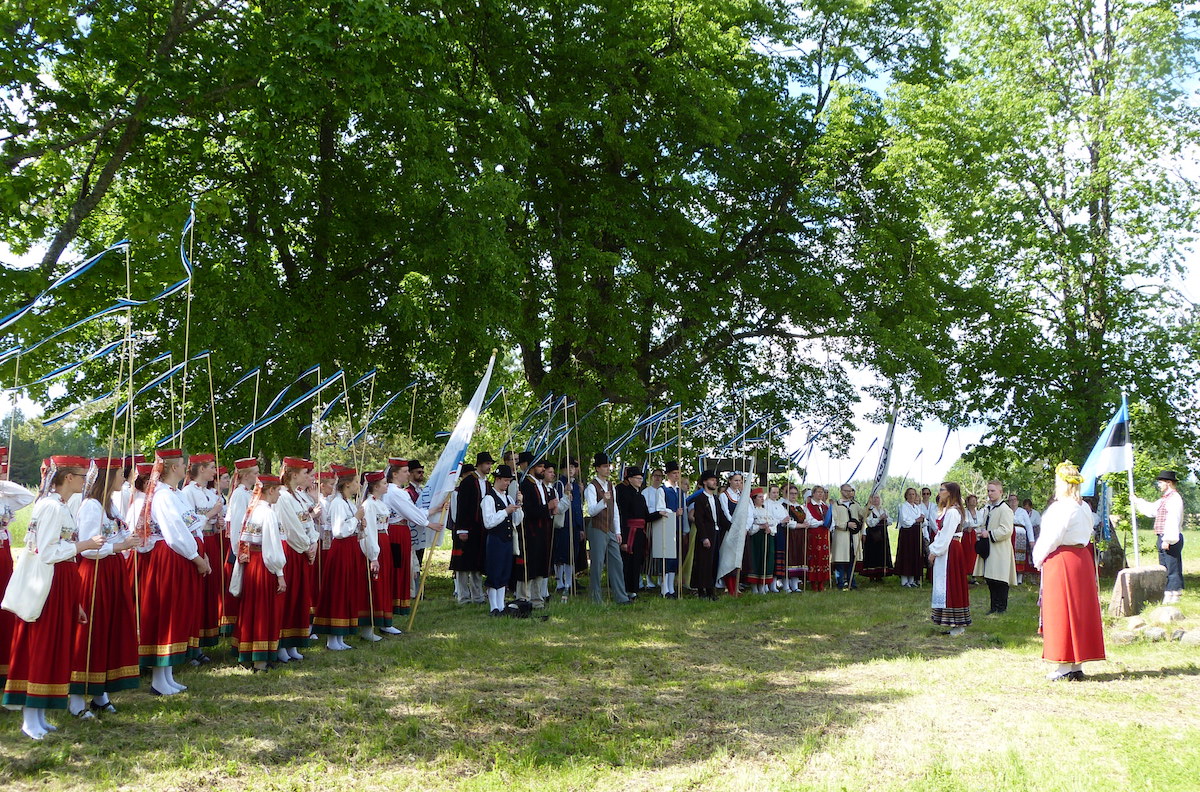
951	520
93	521
1064	523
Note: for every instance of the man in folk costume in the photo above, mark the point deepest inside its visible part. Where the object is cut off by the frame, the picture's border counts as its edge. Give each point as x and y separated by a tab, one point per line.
569	534
844	547
170	581
402	514
664	546
468	556
533	556
998	568
421	537
635	522
245	476
705	518
656	504
500	515
205	501
301	537
1167	512
604	533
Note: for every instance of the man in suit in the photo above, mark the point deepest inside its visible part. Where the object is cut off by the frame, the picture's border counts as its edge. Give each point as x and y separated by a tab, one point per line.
999	568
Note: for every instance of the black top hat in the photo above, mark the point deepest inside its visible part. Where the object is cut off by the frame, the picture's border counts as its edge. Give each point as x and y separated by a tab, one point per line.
467	470
600	459
672	466
1168	475
414	465
706	475
630	472
503	472
525	458
482	457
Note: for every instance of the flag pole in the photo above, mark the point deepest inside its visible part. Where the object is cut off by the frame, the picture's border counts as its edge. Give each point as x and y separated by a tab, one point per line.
1137	554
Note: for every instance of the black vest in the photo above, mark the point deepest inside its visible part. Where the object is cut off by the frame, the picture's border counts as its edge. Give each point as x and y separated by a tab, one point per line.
504	530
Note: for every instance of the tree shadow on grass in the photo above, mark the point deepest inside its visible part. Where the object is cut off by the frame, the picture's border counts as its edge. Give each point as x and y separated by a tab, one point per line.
660	684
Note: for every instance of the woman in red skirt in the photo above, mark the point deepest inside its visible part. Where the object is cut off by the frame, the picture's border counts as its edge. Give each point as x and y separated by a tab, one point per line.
300	538
106	655
261	556
951	603
378	589
39	669
341	590
1072	628
204	500
402	514
13	498
816	547
171	575
972	519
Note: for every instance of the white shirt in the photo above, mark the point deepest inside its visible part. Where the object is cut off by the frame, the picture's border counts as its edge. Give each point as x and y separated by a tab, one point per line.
493	516
376	514
1066	522
401	507
909	512
951	521
263	525
52	526
202	499
170	511
1021	518
93	521
239	501
594	506
295	523
712	505
776	511
343	520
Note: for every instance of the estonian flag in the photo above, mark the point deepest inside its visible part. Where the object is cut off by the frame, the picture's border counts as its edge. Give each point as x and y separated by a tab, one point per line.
1112	453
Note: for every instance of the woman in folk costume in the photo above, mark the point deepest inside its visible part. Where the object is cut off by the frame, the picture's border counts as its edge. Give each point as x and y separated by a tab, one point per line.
326	481
106	651
971	520
262	561
44	594
1072	627
1022	538
301	538
910	561
794	543
245	475
777	513
203	499
135	561
171	571
951	603
13	498
733	545
817	539
377	587
403	515
877	549
705	517
763	526
338	606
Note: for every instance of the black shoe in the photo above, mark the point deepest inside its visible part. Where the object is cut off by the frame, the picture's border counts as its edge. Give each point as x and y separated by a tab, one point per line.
1076	676
672	595
989	613
1002	610
154	692
109	708
497	612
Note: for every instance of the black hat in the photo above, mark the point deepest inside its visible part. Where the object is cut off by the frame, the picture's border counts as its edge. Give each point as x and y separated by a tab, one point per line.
1168	475
467	469
482	457
631	471
672	466
525	457
706	475
414	465
601	458
573	461
504	471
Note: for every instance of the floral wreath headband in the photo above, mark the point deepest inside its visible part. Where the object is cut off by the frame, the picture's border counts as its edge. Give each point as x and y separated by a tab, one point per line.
1066	471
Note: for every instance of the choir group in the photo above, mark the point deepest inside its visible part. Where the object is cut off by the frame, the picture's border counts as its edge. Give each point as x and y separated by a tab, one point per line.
130	566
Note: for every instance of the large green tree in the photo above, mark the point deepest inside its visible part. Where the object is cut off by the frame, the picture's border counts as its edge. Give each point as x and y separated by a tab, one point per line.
1048	168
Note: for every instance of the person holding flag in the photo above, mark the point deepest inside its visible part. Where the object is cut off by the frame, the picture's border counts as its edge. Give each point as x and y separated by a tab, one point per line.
1167	512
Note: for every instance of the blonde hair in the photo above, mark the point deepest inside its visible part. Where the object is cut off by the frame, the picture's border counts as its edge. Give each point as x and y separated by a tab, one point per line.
1068	474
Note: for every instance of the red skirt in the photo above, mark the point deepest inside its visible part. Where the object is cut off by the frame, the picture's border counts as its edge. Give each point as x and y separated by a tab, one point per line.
315	576
381	600
39	666
256	637
338	606
910	562
296	624
957	612
401	537
818	558
7	618
968	551
212	587
170	607
230	605
106	655
1072	628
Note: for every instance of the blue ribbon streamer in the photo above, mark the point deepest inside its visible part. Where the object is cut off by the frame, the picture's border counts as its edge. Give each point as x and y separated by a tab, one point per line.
66	278
262	423
362	432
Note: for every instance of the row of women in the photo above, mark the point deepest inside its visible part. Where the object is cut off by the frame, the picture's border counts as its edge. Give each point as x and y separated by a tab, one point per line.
1072	626
128	572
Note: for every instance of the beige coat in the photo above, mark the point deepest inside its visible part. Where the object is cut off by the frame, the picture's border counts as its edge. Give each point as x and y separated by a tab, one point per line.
1000	564
843	546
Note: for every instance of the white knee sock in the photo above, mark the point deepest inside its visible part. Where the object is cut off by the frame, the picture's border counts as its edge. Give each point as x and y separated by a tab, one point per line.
31	723
171	680
293	654
75	704
158	681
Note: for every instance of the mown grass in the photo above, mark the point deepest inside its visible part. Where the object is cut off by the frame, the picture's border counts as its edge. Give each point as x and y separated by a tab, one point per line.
816	691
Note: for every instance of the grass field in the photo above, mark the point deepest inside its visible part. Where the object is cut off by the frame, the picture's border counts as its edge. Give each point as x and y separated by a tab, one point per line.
816	691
